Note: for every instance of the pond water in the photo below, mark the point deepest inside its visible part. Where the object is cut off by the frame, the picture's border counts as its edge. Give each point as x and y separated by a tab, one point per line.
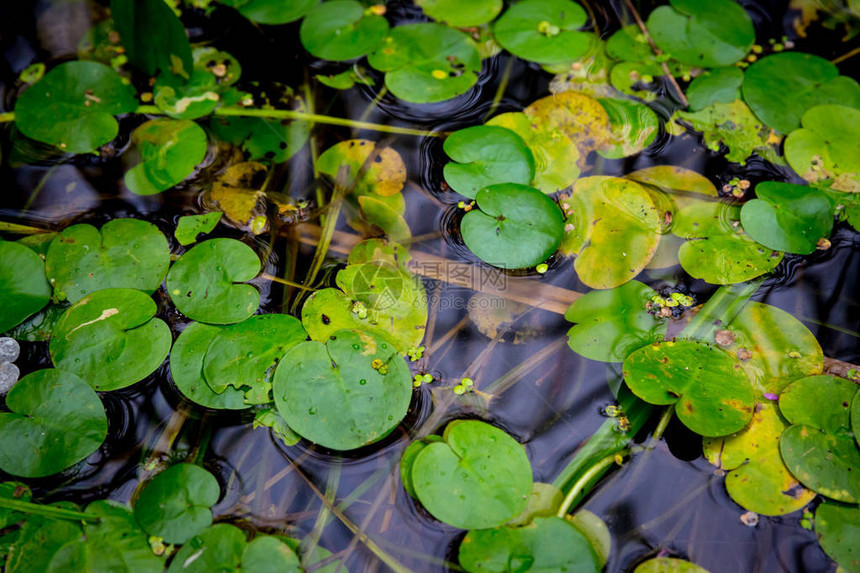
666	500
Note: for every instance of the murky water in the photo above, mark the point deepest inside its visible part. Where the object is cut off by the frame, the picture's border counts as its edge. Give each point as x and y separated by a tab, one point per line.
668	499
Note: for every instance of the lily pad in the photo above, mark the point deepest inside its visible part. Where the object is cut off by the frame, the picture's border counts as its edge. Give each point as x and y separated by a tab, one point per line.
711	392
782	87
486	155
222	547
427	62
347	393
186	368
165	152
271	11
117	533
371	171
720	85
825	151
787	217
580	117
610	324
74	105
191	226
208	282
668	565
758	479
544	31
516	226
176	504
55	421
461	14
110	339
838	529
153	37
546	544
819	448
23	283
341	30
244	355
477	477
703	34
633	125
42	541
612	228
125	253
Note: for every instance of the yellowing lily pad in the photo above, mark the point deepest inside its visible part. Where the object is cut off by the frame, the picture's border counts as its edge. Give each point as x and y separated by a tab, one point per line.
580	117
369	170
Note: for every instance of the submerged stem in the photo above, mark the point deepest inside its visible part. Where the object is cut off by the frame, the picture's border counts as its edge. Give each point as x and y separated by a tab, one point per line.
46	510
592	472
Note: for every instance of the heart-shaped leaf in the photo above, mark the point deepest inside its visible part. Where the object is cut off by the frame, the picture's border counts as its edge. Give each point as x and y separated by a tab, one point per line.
190	226
176	504
165	152
720	85
544	31
272	11
826	151
55	421
110	339
222	547
711	392
117	533
153	37
208	282
838	530
341	30
732	124
186	368
787	217
634	127
344	394
125	253
74	105
23	283
459	14
486	155
516	227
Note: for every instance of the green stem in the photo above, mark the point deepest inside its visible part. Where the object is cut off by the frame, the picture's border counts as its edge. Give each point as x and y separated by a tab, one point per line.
372	105
7	117
662	425
586	478
21	229
45	510
503	85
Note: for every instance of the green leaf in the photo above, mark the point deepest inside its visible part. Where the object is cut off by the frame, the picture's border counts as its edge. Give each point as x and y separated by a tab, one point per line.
515	227
38	328
370	171
720	85
350	392
838	530
186	368
153	37
595	531
702	34
611	324
216	548
668	565
426	62
207	88
23	283
110	339
244	355
269	139
634	127
164	153
782	87
787	217
547	544
613	229
13	490
486	155
268	554
544	31
208	282
271	11
49	545
125	253
340	30
55	421
477	477
176	504
461	14
74	105
758	479
711	392
544	501
117	533
190	226
825	151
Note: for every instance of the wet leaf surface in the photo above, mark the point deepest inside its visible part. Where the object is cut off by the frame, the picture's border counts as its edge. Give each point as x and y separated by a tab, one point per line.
486	155
165	152
838	529
461	14
826	151
544	31
23	283
190	226
341	30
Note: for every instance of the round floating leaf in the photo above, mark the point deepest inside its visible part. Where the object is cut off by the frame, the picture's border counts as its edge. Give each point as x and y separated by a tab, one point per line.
165	152
268	139
478	477
344	394
516	227
546	544
222	547
788	217
110	339
544	31
633	125
176	504
758	479
819	448
190	226
826	151
341	30
427	63
668	565
703	34
556	156
595	531
74	105
377	212
613	229
117	533
271	11
267	554
838	529
43	542
125	253
581	118
369	171
461	14
186	367
611	324
153	37
244	355
22	281
55	421
711	392
720	85
486	155
781	87
207	282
